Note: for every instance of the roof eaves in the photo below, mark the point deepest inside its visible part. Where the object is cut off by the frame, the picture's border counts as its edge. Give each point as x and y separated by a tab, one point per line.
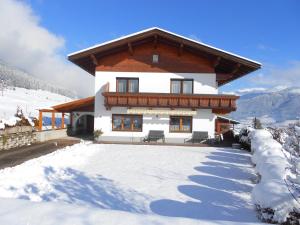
168	32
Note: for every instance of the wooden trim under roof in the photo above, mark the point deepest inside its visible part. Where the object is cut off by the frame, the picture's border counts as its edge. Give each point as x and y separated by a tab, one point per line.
84	104
228	66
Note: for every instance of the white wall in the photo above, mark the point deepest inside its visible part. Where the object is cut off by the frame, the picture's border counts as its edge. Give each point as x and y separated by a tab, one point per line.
204	83
157	83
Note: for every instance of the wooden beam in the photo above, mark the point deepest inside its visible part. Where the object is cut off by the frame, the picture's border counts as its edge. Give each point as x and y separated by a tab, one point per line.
40	128
62	120
217	62
53	120
94	59
155	41
180	50
223	76
130	49
236	68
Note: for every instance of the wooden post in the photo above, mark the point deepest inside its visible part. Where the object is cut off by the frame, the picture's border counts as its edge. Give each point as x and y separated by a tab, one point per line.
63	120
53	120
40	121
71	119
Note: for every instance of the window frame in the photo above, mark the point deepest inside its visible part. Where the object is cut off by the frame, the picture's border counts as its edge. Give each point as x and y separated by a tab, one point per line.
131	116
181	124
181	85
127	83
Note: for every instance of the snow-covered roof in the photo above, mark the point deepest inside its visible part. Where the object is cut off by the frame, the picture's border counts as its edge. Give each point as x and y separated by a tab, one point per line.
163	30
229	119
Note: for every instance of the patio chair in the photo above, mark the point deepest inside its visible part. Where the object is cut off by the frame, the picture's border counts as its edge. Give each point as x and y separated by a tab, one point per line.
155	135
197	137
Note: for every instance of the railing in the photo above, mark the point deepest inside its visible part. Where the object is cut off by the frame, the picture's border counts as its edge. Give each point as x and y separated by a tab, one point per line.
227	103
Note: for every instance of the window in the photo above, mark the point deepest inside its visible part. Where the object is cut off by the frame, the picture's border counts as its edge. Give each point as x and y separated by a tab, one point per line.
125	85
133	123
155	58
182	86
181	124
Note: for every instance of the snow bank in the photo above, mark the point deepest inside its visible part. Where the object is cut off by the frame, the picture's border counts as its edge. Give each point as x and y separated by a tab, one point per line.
272	192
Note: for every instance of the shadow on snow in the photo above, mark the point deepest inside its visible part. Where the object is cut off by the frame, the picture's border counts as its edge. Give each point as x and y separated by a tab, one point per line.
78	188
215	194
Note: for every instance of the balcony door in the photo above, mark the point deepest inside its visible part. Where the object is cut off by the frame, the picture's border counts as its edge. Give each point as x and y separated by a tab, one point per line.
127	85
182	86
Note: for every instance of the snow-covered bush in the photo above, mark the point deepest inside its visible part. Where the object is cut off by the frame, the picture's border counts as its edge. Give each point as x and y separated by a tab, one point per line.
274	197
17	120
244	137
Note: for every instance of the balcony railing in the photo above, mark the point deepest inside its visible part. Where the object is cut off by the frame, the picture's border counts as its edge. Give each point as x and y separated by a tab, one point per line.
219	103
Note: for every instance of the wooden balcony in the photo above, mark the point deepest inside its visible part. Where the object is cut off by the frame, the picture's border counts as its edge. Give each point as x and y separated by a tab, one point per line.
219	103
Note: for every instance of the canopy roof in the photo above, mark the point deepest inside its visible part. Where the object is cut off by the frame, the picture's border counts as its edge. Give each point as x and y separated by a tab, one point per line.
232	121
84	104
224	62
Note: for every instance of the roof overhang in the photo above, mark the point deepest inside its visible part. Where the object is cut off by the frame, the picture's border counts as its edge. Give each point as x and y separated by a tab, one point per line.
232	121
228	66
84	104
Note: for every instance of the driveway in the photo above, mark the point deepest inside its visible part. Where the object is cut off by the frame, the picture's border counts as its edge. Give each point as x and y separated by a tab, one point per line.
203	185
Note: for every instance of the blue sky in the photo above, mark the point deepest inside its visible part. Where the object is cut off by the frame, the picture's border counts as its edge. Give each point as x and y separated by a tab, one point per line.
265	31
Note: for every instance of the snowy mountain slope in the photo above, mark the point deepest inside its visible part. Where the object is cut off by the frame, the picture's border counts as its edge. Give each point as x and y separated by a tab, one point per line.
29	101
17	78
276	105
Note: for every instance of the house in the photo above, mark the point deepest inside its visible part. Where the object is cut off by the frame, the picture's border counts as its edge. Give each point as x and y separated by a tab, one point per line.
154	80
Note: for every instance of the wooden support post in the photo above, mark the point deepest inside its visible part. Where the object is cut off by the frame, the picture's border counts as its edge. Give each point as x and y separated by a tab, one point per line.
53	120
71	119
62	120
40	121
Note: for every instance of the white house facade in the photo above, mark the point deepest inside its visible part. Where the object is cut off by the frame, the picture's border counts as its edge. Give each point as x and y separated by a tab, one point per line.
155	80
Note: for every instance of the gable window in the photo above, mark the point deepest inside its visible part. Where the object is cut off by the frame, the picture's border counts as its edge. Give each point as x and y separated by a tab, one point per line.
133	123
181	124
182	86
155	58
126	85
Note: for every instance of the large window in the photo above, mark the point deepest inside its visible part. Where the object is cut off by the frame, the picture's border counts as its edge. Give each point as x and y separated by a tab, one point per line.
181	124
125	85
132	123
182	86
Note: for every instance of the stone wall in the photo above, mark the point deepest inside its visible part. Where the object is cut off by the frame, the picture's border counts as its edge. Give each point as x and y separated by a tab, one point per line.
20	136
13	140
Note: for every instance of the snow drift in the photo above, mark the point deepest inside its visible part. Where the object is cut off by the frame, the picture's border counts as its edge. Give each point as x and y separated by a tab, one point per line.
272	192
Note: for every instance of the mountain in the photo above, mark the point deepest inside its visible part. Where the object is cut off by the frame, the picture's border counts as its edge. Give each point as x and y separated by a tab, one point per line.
273	105
15	77
28	100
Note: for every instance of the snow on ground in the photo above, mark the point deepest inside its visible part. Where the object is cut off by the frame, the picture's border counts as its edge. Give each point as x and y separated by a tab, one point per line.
29	100
130	184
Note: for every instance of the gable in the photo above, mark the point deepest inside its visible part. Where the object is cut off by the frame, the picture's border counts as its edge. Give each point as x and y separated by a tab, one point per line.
226	65
139	59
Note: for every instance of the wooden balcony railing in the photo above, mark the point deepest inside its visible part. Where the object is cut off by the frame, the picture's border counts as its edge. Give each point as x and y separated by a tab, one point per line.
219	103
